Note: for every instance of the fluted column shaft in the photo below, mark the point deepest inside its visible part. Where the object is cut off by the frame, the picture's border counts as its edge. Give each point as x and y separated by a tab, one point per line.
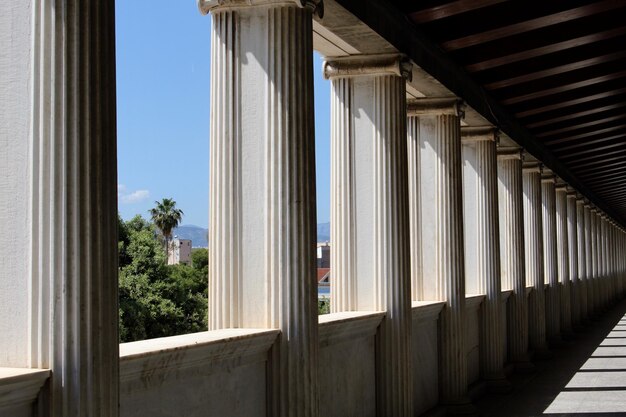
591	307
576	217
594	261
436	124
563	253
262	193
511	216
533	243
574	242
611	256
57	67
621	261
608	281
550	262
369	212
482	245
602	260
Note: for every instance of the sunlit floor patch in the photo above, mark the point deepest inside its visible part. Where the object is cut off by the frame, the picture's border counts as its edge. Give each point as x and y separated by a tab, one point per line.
599	387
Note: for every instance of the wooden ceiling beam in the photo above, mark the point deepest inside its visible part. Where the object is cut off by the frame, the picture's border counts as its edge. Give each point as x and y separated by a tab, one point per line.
567	157
569	103
619	161
584	135
555	70
581	126
450	9
566	87
614	180
545	50
602	173
576	115
532	24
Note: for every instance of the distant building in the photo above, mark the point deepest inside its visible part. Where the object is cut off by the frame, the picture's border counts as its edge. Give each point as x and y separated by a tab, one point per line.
180	252
323	255
323	276
323	282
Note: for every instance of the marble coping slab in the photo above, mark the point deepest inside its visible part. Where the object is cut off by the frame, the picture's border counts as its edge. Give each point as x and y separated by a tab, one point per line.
424	311
20	386
473	301
203	352
336	328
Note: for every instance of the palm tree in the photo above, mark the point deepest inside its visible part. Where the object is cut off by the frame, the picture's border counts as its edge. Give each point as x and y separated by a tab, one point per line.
166	217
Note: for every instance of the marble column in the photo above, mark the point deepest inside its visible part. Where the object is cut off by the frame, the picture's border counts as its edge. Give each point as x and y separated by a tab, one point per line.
602	260
575	244
262	188
563	253
621	260
369	211
577	260
591	307
533	244
511	217
550	260
600	277
611	255
58	202
482	246
595	270
435	124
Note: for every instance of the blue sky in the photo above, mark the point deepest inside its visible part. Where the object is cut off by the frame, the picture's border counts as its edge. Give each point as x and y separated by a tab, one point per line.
163	61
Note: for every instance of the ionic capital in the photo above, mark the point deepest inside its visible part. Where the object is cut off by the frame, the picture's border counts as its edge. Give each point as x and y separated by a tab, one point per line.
206	6
479	134
436	106
548	176
532	166
510	152
363	65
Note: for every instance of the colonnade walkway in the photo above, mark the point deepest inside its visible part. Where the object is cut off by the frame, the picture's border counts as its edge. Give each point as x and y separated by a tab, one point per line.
585	377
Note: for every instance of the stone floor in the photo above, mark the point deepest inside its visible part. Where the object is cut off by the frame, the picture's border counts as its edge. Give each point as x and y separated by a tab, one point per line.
586	376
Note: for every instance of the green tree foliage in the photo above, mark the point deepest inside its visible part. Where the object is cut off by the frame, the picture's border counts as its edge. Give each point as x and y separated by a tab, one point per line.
200	258
323	306
166	217
155	299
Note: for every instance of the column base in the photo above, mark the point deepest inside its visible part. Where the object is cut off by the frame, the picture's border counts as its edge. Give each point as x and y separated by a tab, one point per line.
568	336
463	407
542	354
556	341
498	385
524	366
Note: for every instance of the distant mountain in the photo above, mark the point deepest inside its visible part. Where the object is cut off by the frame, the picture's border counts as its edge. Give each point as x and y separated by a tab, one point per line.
198	235
323	232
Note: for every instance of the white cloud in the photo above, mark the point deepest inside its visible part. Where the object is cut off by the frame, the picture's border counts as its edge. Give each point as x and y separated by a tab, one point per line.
126	197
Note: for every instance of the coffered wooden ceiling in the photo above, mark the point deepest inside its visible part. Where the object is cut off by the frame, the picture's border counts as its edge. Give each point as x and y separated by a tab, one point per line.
556	70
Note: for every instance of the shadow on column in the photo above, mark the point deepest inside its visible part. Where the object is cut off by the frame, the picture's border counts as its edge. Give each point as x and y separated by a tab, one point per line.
587	377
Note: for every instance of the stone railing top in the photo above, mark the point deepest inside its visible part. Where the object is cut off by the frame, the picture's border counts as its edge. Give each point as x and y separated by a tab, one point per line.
506	294
20	386
193	351
426	310
349	325
529	289
473	300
